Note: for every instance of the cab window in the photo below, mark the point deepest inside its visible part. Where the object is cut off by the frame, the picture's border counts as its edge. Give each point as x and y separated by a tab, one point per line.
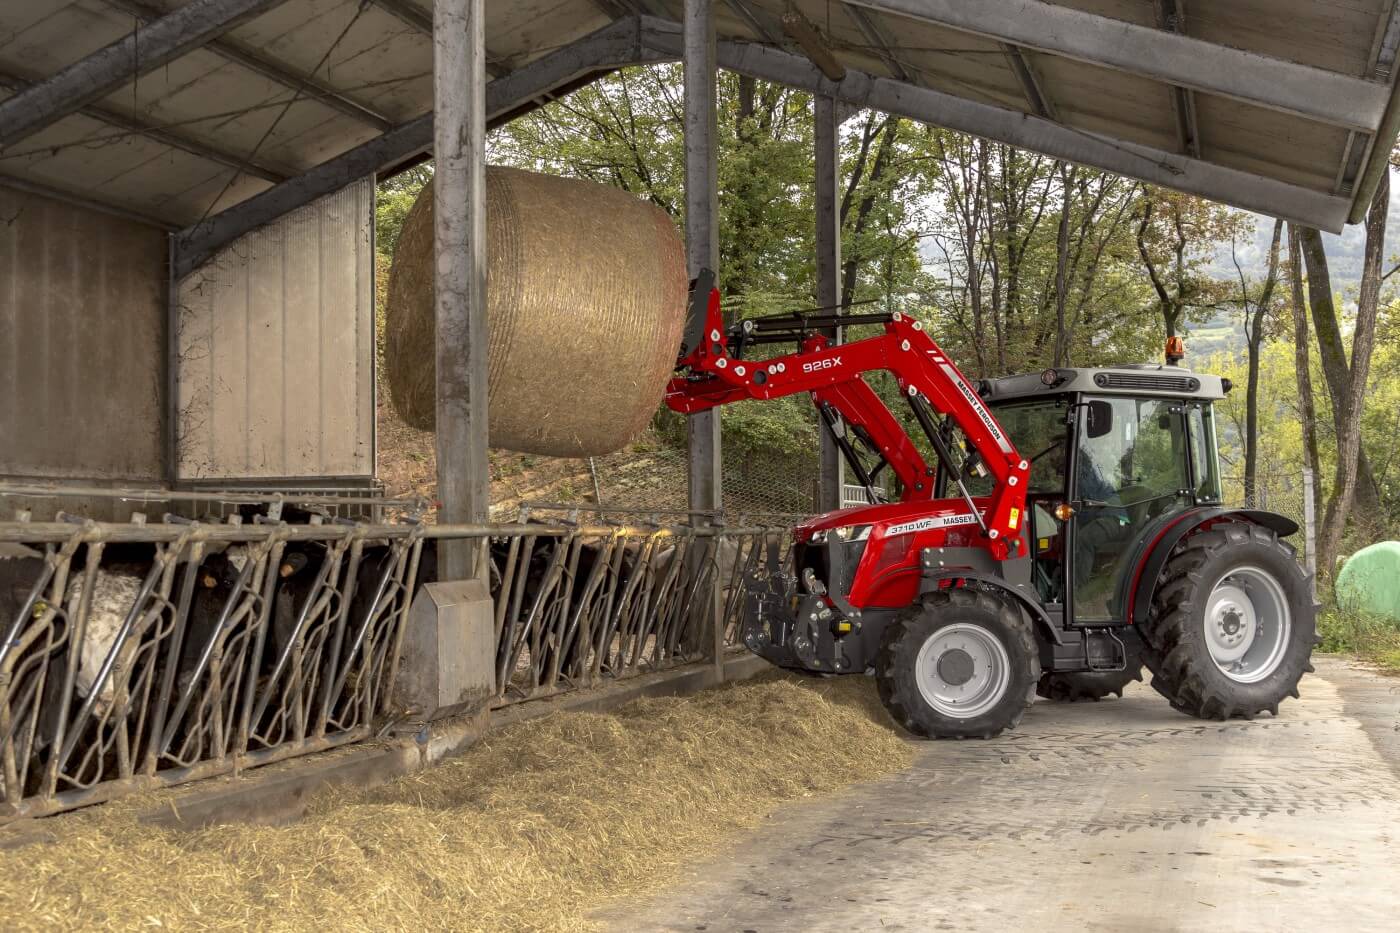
1038	430
1200	423
1039	433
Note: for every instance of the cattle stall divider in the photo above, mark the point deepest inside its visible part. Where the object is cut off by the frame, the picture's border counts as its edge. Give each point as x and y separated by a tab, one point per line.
203	648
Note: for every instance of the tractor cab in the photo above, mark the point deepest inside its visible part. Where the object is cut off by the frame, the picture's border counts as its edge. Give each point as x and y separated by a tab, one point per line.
1116	454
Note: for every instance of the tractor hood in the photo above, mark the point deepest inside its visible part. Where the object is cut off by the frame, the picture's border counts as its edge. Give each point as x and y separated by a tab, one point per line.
893	518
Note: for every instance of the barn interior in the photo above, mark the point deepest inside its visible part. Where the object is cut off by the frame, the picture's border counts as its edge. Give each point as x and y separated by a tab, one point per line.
187	315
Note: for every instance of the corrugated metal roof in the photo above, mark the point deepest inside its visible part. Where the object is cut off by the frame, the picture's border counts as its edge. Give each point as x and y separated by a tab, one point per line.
309	79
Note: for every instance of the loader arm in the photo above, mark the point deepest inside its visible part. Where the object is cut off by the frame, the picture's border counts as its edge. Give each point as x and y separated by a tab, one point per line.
712	371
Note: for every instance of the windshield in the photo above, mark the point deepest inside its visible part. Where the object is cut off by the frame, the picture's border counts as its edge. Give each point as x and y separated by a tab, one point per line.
1038	430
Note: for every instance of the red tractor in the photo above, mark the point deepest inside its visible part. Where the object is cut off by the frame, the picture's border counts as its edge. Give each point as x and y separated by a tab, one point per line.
1049	533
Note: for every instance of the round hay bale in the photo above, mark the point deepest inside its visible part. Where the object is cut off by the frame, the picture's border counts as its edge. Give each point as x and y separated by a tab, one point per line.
586	296
1369	581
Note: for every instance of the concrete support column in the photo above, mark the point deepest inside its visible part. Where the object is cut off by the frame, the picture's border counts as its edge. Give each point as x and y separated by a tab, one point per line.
702	251
828	245
459	226
701	221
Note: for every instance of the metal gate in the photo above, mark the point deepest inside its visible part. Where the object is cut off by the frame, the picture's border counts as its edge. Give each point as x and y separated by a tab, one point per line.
141	655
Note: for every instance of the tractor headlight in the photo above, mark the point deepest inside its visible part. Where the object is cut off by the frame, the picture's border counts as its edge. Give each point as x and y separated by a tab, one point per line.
853	533
818	537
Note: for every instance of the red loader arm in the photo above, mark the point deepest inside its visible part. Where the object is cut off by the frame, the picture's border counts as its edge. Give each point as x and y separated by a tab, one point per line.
712	372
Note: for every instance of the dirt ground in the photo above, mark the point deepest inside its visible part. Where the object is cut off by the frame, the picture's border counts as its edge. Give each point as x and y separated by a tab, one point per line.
1117	816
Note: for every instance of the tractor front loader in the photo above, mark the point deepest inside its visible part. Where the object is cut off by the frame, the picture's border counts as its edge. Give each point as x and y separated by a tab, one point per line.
1048	533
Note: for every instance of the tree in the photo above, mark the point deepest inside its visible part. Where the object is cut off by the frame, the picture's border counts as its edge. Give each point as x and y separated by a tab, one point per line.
1307	411
1362	343
393	200
1331	352
626	130
1031	260
1255	319
1176	238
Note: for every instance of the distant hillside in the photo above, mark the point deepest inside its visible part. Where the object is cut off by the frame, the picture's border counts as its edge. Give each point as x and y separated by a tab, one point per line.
1222	334
1344	251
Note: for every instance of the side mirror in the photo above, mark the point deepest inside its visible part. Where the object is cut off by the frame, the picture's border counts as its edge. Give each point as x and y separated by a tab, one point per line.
1100	414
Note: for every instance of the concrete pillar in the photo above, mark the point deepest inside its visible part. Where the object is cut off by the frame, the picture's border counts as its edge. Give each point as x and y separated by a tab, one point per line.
828	246
701	220
459	206
702	251
448	661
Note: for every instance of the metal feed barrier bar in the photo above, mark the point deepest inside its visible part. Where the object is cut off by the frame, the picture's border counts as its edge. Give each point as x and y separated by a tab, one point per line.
145	655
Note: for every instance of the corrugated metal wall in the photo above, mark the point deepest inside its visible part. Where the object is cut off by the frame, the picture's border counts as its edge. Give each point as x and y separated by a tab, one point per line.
82	343
275	349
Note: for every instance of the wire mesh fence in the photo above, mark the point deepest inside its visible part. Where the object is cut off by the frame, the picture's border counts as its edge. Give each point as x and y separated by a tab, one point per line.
1292	494
768	470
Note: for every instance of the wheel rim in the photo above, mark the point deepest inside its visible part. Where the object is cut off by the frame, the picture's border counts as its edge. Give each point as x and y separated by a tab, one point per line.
1247	624
962	671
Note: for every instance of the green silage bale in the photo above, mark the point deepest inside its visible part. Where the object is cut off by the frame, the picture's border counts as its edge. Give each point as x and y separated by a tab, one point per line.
1370	581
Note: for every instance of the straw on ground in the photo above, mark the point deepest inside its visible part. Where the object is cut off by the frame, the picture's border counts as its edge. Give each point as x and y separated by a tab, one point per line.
530	830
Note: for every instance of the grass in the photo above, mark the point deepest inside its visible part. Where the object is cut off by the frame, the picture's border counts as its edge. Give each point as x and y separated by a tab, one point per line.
1373	638
531	829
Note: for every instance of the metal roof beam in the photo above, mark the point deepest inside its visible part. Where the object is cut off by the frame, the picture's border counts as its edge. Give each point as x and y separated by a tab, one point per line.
239	54
1037	134
1325	96
85	201
1362	166
613	46
1029	80
871	31
164	137
1171	16
747	13
104	71
408	13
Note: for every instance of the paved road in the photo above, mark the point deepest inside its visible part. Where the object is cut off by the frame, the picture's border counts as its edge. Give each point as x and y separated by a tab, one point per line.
1121	816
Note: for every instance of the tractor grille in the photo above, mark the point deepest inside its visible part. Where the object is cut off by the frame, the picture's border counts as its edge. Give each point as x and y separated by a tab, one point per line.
1147	381
813	556
817	557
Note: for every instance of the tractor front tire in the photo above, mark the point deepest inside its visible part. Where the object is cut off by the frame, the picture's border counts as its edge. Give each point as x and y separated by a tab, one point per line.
1232	624
1088	685
957	664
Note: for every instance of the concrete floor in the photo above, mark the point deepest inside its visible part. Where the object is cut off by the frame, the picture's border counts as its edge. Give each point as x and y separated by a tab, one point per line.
1121	815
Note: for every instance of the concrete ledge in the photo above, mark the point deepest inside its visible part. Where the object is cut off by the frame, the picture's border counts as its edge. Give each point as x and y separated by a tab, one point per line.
680	682
278	793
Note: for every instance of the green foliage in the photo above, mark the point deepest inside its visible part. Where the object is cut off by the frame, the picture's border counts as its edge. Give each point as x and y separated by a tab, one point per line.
1281	456
626	130
393	200
1371	637
1034	262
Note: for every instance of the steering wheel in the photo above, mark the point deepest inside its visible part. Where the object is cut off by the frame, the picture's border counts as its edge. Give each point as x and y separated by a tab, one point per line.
1059	443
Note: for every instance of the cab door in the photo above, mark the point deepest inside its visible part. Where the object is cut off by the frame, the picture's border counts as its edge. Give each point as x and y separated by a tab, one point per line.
1130	468
1040	429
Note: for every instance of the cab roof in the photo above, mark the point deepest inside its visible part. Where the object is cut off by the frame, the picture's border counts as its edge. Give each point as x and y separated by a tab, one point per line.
1143	379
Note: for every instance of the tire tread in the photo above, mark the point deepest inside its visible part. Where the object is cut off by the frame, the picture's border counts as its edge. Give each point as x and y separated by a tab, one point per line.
902	699
1177	662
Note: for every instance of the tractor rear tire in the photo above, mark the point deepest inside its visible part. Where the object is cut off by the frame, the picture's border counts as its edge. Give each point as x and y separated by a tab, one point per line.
1088	685
1232	624
957	664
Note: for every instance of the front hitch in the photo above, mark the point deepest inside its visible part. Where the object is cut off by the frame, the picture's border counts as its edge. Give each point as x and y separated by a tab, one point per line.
791	627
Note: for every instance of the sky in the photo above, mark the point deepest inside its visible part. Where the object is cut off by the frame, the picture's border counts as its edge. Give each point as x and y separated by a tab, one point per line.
1344	251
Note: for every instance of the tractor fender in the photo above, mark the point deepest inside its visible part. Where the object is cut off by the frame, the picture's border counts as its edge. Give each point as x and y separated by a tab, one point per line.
1155	548
932	577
